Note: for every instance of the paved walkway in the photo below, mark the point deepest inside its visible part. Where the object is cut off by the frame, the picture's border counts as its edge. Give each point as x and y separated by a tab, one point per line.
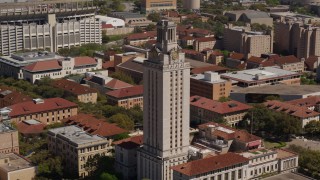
287	176
310	144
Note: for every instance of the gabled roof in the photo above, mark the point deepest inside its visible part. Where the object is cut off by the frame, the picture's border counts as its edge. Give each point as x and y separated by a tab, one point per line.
214	68
30	107
238	56
218	107
311	61
126	92
84	60
306	102
9	96
229	133
286	60
293	110
205	39
93	125
205	165
117	84
72	87
130	143
26	128
43	66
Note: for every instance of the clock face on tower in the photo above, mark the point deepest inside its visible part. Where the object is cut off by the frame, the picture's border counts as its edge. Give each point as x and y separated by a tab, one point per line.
174	54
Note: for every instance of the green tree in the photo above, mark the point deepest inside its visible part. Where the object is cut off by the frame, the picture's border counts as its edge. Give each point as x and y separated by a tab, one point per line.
123	121
105	38
151	27
224	99
107	176
117	5
309	161
272	2
260	7
273	122
313	127
154	17
121	136
123	77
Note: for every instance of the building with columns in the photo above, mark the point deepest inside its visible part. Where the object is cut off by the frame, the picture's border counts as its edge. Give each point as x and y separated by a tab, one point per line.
47	25
166	107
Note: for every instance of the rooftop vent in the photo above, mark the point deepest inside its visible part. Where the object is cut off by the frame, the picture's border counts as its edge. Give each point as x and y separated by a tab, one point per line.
38	101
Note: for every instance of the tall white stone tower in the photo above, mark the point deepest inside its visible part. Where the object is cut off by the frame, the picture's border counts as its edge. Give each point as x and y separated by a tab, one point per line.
166	79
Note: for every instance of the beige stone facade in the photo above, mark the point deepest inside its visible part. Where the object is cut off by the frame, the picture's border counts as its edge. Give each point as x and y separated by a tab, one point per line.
9	139
76	147
14	167
149	6
245	41
301	40
201	44
210	85
48	117
166	83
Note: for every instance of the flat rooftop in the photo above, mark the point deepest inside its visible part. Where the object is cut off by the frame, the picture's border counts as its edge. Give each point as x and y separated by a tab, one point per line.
279	89
5	128
15	162
201	77
258	74
76	135
258	152
128	15
24	59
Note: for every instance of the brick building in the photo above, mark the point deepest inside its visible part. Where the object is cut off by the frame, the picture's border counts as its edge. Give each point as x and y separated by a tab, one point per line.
126	97
76	146
82	93
46	111
9	139
206	110
209	85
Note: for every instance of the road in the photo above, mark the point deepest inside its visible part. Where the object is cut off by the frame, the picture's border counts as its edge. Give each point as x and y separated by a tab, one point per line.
129	6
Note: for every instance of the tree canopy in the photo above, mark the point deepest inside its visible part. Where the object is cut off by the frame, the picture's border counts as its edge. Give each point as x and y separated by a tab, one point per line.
272	122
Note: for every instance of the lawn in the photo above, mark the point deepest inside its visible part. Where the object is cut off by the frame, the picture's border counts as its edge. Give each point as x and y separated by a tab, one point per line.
273	144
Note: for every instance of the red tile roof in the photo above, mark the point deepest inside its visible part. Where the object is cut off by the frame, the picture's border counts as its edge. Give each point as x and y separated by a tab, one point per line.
306	102
108	64
84	60
106	26
9	96
190	51
92	125
143	35
240	135
293	110
286	60
30	107
310	62
217	53
255	59
238	56
218	107
130	143
126	92
117	84
43	66
202	166
29	129
72	87
205	39
285	153
214	68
